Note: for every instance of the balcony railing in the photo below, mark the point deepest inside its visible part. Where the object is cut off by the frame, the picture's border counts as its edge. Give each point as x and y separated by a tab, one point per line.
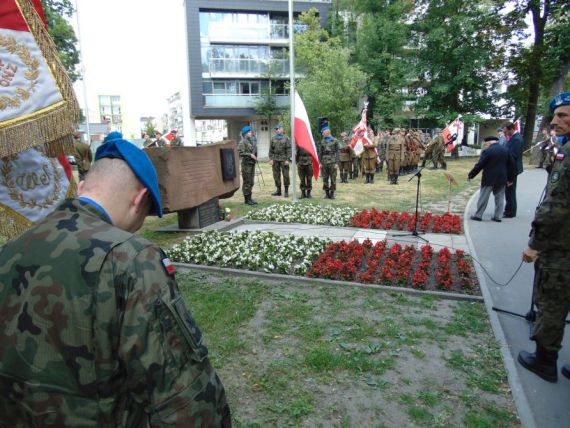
231	32
240	101
241	67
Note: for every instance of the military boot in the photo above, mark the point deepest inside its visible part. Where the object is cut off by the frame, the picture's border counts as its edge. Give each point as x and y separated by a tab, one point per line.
327	194
444	166
381	168
367	178
286	193
309	194
566	370
303	194
350	175
248	200
277	191
541	363
331	194
371	178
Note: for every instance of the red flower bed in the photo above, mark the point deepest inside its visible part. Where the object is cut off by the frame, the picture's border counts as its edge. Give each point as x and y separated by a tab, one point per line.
374	219
396	266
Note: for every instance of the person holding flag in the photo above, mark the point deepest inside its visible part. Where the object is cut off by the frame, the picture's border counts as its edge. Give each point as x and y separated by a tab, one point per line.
329	155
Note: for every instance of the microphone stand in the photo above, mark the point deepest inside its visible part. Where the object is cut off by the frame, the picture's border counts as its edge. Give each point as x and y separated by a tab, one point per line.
415	232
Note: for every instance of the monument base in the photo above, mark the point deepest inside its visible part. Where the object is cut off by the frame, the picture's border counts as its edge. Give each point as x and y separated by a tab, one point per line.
200	216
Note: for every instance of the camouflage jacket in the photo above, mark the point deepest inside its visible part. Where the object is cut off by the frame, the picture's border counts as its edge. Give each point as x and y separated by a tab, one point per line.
247	147
550	234
95	332
83	156
176	142
280	148
328	151
303	157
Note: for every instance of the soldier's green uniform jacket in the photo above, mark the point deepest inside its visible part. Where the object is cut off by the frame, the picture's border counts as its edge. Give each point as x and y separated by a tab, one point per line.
550	234
176	142
280	149
303	157
95	332
83	157
246	148
328	151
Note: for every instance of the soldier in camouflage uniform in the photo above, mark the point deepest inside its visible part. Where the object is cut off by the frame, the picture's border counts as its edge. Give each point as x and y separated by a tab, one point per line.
247	150
438	154
394	154
159	140
279	159
549	249
329	155
345	157
83	157
176	141
95	332
369	157
305	170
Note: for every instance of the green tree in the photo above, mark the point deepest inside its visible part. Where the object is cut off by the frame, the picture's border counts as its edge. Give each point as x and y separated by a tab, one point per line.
332	87
62	34
149	128
266	104
460	54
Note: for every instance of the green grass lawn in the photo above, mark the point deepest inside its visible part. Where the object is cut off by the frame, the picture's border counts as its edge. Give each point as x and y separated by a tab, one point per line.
293	355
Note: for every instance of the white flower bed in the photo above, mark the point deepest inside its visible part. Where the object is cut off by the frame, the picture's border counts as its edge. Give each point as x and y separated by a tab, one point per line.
265	251
305	213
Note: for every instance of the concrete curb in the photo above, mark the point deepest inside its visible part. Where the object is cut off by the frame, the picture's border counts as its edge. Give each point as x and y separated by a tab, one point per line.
328	282
519	396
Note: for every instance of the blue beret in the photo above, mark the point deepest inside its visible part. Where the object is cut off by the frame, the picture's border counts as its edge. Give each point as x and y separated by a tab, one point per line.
562	99
245	130
324	128
114	146
279	125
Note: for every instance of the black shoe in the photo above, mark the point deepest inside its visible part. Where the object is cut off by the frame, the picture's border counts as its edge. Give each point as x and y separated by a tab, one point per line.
474	217
303	194
331	194
277	192
286	193
566	370
309	194
508	215
541	363
327	194
371	178
498	220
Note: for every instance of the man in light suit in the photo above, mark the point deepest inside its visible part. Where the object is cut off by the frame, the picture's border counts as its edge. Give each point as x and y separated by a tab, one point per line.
498	172
515	147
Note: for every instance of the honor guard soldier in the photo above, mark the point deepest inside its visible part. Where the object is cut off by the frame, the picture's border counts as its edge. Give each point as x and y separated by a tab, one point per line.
279	159
247	150
96	332
345	157
369	157
305	171
329	155
438	154
159	140
382	143
176	141
549	249
394	155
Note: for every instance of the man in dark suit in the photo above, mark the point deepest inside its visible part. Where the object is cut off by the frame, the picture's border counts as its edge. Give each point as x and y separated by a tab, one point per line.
498	172
515	147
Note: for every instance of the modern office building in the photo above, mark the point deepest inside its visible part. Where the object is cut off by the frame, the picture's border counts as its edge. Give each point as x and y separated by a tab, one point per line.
233	47
110	111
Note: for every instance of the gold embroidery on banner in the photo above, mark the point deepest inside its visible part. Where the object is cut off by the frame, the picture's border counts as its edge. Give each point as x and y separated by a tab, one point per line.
8	72
30	181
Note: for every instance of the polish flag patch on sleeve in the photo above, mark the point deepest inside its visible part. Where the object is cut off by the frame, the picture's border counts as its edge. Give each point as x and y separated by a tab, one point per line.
560	156
168	266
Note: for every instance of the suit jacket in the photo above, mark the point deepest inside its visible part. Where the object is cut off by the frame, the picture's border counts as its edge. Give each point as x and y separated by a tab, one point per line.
515	146
497	164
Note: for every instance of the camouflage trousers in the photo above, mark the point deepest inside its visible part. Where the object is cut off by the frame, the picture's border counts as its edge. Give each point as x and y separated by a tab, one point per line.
345	166
305	176
279	168
247	175
328	174
552	298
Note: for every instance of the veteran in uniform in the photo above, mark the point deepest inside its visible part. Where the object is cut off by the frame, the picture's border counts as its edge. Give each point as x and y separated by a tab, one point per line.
96	333
382	144
369	157
329	155
247	150
279	159
159	140
394	154
83	157
176	141
549	249
345	157
305	171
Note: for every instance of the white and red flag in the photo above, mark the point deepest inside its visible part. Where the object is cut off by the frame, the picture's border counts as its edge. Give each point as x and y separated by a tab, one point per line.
518	124
38	113
360	134
453	134
303	135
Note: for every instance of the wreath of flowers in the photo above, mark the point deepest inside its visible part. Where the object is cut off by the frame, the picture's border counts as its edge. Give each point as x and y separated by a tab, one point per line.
31	74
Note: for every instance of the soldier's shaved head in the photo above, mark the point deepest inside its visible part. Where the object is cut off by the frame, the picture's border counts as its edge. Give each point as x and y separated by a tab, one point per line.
112	174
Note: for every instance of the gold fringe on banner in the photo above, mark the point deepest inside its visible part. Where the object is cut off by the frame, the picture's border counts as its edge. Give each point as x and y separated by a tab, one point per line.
60	119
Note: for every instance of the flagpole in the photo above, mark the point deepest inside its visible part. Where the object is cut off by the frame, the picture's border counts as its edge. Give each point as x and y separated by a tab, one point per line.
87	129
292	100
